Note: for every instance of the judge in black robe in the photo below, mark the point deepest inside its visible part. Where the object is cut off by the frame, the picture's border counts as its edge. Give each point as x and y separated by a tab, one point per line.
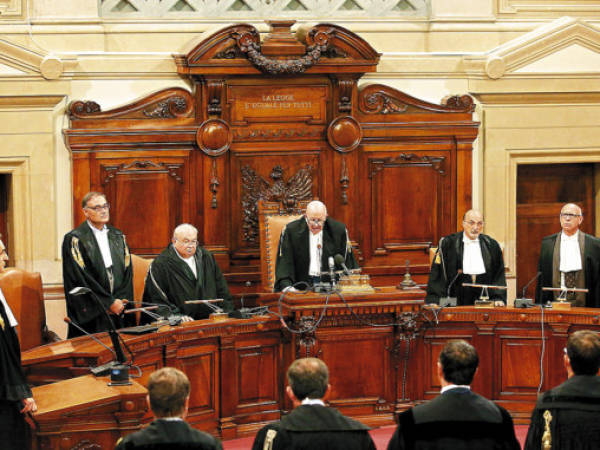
83	266
293	256
16	398
458	418
312	425
170	280
574	406
449	260
550	261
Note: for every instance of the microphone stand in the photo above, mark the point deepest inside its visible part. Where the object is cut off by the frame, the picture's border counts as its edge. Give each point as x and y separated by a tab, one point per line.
484	299
447	300
218	314
526	302
120	372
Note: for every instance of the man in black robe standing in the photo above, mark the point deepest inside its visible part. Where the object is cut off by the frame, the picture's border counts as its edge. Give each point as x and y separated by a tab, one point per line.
96	256
186	271
570	259
306	244
312	425
467	257
571	410
16	398
168	398
458	417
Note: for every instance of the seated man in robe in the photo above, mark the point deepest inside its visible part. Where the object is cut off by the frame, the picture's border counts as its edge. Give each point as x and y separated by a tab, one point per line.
306	244
467	257
570	259
168	398
186	271
458	418
312	425
571	410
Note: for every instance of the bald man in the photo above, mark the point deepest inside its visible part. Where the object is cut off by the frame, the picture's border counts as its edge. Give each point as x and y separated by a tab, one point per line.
186	271
306	245
477	256
570	258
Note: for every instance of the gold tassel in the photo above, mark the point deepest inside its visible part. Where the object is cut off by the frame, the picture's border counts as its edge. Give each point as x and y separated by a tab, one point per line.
547	436
269	438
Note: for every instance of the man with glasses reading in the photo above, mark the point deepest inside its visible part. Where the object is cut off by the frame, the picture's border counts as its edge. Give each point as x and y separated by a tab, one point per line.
306	244
570	259
467	257
96	256
186	271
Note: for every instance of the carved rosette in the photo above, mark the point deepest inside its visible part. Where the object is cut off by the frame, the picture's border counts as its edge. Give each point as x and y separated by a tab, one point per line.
214	137
249	43
83	108
381	103
167	109
344	134
460	102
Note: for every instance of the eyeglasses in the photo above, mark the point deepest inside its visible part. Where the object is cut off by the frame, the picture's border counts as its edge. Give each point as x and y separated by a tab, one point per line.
99	208
569	215
188	242
471	223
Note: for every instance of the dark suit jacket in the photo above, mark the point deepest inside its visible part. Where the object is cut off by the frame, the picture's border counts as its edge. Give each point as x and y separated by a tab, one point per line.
314	427
293	257
449	260
168	434
457	419
575	410
590	265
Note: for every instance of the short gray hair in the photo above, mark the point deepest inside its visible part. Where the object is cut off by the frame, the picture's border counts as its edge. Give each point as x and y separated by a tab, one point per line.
184	227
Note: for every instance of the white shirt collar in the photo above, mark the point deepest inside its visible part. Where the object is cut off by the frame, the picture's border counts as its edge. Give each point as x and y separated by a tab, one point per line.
313	401
570	253
454	386
190	261
472	257
102	240
315	243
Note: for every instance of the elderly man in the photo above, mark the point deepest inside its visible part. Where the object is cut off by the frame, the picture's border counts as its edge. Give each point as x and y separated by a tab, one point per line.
15	395
312	425
96	256
306	245
458	417
168	398
573	408
570	259
186	271
467	257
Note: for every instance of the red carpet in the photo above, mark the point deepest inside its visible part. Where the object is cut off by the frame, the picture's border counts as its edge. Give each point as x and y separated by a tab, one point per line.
381	436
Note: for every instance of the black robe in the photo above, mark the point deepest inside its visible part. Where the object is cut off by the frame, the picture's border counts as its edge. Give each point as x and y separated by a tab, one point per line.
451	254
458	419
168	434
170	281
13	388
590	264
575	409
293	256
315	427
83	266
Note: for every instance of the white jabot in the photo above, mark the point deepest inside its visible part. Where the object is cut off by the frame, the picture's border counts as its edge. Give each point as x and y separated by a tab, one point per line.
570	254
190	261
313	401
11	317
315	243
472	259
170	419
102	239
454	386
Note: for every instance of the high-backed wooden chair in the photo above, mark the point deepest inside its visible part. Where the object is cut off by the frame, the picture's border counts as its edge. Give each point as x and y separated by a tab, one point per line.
140	269
25	296
272	218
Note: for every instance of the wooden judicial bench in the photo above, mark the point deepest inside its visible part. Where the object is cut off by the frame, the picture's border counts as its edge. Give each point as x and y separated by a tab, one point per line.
237	367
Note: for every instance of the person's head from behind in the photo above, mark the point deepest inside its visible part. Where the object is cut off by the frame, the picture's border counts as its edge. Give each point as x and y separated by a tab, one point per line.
458	362
583	353
168	392
307	378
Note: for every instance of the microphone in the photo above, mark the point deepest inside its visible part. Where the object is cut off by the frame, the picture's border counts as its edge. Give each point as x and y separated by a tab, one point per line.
447	300
331	269
103	369
340	261
120	372
524	302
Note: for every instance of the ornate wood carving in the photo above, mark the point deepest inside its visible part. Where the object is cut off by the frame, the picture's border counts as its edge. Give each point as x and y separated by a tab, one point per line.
255	188
142	167
460	102
345	96
251	133
436	162
344	134
214	184
214	137
214	89
344	181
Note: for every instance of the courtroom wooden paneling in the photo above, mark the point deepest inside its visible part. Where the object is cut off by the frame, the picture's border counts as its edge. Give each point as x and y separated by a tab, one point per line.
261	123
